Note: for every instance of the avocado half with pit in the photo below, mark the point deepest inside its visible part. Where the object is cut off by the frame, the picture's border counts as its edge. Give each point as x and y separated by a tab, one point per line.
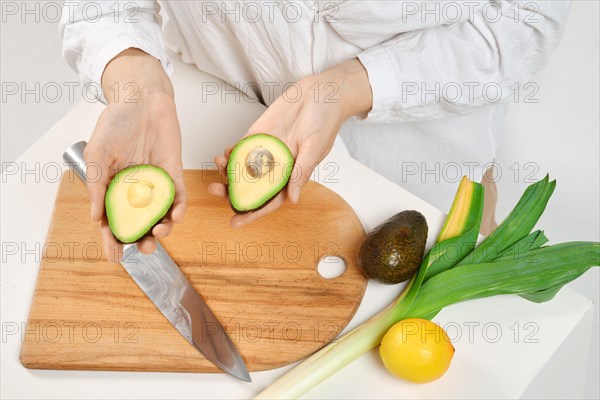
259	167
136	200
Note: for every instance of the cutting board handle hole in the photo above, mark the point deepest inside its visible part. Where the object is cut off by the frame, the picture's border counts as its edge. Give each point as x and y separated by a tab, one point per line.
331	267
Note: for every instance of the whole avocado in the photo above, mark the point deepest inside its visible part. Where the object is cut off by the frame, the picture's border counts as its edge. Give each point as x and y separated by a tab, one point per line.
393	251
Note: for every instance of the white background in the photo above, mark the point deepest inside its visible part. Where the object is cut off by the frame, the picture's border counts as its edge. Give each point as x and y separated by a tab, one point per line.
560	134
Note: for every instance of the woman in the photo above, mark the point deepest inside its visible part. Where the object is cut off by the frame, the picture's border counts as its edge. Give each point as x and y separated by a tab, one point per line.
417	90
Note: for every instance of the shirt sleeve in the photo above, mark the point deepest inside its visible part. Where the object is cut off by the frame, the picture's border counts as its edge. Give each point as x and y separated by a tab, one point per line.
448	70
94	32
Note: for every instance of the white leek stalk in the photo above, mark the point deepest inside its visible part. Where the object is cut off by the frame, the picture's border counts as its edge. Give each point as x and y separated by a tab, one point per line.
331	358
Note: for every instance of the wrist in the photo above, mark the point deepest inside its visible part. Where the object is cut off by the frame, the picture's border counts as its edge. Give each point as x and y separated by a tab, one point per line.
134	75
354	90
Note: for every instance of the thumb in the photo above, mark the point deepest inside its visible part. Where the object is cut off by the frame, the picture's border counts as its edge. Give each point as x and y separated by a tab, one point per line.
97	177
304	166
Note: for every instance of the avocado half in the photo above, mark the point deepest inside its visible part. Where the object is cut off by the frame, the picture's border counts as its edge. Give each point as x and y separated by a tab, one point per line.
137	199
259	167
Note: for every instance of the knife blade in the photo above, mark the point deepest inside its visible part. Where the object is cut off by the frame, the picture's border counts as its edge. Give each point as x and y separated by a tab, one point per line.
166	286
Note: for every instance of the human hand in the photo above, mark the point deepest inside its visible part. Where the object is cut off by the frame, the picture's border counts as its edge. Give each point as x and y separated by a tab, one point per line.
139	126
307	118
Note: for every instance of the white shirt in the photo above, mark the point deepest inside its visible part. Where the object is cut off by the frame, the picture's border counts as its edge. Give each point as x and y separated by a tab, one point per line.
441	72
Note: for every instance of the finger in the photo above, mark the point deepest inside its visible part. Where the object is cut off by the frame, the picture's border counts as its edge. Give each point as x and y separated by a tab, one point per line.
180	203
227	152
221	163
217	189
239	220
147	245
163	229
173	165
97	178
112	248
304	166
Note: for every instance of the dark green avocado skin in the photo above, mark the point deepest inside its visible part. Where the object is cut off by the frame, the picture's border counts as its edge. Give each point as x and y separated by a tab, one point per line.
393	251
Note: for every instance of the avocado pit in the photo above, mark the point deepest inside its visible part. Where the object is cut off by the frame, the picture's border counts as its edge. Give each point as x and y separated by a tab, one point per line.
259	162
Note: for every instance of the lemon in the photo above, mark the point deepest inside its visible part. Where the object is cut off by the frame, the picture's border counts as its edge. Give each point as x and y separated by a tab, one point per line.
417	350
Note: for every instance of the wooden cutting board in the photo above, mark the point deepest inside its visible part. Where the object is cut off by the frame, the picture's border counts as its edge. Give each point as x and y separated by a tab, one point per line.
261	281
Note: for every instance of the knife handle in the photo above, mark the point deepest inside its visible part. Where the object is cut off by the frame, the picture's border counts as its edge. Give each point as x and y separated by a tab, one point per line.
73	157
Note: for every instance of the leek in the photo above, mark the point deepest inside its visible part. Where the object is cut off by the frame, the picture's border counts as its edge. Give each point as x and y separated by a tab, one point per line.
518	224
510	261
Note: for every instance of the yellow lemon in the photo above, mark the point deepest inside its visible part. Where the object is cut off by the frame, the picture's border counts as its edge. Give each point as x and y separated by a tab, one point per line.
416	350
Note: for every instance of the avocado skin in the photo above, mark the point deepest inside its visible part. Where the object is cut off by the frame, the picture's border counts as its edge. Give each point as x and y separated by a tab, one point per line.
393	251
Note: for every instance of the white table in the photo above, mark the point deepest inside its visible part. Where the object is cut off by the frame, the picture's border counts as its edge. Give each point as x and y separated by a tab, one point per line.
504	345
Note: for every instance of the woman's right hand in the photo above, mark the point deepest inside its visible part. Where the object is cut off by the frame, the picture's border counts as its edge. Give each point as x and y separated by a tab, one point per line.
139	126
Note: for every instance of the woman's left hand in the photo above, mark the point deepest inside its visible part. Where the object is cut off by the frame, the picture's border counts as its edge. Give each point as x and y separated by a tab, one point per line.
307	117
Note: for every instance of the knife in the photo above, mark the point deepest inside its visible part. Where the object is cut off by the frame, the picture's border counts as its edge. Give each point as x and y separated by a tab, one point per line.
172	293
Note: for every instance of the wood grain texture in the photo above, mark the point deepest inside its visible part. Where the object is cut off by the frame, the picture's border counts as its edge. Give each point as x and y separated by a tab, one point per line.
260	280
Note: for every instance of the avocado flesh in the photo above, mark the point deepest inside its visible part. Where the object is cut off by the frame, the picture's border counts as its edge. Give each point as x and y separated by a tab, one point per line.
393	251
259	167
137	199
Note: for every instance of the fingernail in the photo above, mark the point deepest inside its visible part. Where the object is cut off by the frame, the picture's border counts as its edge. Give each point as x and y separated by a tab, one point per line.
92	212
296	195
